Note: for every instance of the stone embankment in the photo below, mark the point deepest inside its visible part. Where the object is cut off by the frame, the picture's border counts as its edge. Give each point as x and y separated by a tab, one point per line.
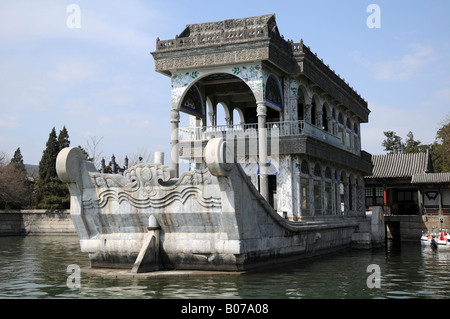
36	222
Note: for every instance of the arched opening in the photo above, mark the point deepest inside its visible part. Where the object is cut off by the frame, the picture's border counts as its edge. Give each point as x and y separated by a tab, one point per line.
238	117
273	92
304	189
348	133
221	115
355	128
340	118
328	205
341	133
300	104
313	113
350	193
223	93
325	118
304	168
343	192
317	190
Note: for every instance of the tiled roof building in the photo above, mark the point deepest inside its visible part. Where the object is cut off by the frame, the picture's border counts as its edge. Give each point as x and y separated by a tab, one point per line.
406	185
431	178
400	165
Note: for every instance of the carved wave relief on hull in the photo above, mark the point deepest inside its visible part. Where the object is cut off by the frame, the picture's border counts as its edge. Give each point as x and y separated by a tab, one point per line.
148	185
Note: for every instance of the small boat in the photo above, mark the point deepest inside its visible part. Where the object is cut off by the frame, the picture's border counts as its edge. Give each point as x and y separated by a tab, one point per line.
439	240
442	240
426	239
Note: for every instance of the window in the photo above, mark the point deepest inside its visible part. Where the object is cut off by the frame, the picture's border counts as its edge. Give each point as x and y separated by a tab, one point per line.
304	194
273	93
313	113
341	134
317	197
374	196
348	139
304	167
379	191
406	196
328	201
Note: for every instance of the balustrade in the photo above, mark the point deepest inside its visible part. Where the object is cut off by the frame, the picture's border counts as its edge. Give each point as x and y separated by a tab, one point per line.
250	130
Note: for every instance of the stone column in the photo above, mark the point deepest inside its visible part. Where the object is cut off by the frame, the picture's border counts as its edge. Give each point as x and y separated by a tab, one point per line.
323	195
353	199
175	120
159	158
346	198
308	107
312	206
211	119
333	197
361	197
293	116
330	125
262	153
319	121
296	203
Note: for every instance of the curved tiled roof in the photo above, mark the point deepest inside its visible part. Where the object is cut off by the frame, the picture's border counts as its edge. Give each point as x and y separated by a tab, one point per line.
430	178
399	165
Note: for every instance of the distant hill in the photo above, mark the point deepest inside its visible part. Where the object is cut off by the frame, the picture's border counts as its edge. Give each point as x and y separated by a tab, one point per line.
32	170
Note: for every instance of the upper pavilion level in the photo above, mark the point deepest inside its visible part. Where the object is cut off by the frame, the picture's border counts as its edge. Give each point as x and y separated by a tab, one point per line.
262	81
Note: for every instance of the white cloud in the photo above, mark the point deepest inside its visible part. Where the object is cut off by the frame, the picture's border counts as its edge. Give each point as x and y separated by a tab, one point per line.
74	70
25	19
9	122
401	69
439	98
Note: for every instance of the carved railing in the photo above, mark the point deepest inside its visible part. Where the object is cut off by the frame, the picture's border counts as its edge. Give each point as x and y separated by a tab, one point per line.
211	38
274	129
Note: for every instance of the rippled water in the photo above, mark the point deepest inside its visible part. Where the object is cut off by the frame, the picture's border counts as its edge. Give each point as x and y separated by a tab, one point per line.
36	267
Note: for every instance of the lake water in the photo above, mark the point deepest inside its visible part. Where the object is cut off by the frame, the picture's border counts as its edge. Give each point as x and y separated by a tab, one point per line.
36	267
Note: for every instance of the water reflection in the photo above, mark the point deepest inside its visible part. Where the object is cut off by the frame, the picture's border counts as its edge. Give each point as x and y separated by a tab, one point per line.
36	267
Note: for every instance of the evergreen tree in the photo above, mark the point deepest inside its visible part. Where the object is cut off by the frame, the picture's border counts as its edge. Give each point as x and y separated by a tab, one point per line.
413	146
441	148
51	193
15	189
394	142
18	159
391	142
63	139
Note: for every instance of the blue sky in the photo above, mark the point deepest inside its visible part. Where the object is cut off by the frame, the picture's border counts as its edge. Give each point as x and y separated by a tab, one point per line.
99	79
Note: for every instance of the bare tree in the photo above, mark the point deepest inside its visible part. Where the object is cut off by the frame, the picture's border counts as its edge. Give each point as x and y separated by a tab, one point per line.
3	157
92	148
142	155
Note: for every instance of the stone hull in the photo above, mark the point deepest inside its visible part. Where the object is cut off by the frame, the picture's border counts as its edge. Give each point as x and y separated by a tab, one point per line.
207	220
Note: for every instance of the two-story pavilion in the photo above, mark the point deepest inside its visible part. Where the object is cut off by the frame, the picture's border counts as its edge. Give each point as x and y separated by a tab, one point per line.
294	123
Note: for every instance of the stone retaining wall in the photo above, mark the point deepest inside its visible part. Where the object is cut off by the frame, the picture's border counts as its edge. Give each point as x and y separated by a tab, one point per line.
36	222
410	227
